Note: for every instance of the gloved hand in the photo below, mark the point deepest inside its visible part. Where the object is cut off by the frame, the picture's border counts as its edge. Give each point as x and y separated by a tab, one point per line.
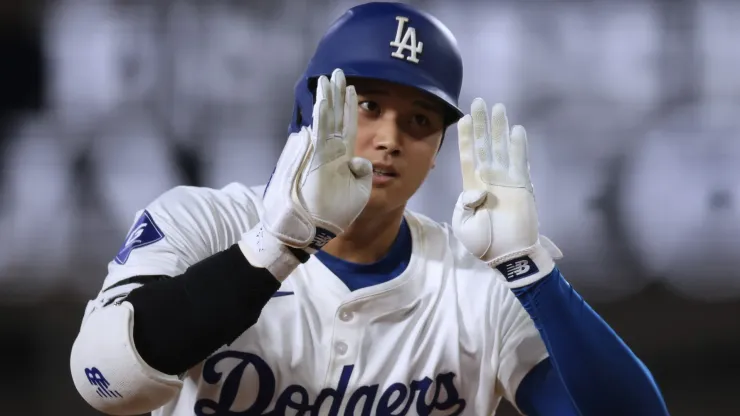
318	187
495	217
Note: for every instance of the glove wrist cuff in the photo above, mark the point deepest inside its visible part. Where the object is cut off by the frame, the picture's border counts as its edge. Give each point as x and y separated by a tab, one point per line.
264	250
525	267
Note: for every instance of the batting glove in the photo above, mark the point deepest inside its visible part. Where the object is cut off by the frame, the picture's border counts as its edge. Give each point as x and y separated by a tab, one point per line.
495	217
318	188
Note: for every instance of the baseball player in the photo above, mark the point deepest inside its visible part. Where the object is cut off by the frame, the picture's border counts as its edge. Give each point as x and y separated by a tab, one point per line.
320	294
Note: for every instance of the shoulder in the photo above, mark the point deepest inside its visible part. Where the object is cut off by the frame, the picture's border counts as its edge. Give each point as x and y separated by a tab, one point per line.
183	226
216	215
186	197
235	205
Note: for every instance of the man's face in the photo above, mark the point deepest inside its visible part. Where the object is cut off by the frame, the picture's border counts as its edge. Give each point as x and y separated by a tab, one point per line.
399	131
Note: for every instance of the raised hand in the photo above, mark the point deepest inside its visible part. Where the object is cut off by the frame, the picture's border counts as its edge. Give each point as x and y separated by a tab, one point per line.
495	217
318	187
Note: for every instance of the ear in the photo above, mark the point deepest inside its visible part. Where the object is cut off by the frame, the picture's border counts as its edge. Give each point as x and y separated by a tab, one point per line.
441	140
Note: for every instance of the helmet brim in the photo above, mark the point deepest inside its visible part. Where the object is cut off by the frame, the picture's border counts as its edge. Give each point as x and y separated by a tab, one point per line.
411	77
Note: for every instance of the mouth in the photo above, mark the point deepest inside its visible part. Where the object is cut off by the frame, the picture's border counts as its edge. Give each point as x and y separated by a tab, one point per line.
384	171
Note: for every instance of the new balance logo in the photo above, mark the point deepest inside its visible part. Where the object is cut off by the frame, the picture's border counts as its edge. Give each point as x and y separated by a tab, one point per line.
95	377
321	240
518	268
322	237
406	42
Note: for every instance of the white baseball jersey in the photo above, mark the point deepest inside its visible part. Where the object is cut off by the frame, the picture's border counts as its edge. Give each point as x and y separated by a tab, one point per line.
445	337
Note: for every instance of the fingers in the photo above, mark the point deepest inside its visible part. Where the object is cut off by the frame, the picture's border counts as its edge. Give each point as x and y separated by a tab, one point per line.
499	138
339	86
360	167
323	90
496	153
345	109
518	156
467	152
481	134
472	200
339	117
322	123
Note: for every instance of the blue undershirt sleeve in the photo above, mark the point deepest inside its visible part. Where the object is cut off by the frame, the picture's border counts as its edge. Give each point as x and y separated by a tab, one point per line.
542	393
597	372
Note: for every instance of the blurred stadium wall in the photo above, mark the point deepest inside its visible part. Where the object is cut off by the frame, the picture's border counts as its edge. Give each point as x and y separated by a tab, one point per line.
633	109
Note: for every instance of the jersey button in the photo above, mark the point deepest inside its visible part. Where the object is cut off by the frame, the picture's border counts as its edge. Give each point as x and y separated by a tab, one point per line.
341	348
346	316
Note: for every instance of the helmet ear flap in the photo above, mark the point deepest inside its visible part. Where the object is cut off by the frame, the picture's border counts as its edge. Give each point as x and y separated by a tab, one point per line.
298	116
303	105
312	84
298	120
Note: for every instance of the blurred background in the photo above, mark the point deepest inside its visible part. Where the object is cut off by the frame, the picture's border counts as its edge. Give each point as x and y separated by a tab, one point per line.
632	108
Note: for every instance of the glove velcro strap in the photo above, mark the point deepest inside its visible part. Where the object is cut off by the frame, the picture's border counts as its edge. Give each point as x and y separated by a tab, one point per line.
525	268
263	250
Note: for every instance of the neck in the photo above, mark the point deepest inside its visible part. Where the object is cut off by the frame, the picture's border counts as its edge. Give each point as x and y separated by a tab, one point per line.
368	239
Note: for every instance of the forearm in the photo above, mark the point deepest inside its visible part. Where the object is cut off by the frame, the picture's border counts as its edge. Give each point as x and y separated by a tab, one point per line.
178	322
600	372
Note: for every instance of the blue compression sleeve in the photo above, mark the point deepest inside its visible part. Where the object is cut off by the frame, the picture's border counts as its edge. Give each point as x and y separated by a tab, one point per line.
600	373
542	393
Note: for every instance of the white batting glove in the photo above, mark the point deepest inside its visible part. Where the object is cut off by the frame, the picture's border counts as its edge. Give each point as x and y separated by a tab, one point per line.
495	217
318	188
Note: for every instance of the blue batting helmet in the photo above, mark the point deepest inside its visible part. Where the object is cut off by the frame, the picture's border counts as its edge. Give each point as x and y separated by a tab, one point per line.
388	41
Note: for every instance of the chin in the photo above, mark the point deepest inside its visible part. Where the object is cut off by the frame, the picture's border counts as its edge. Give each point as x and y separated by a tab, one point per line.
383	200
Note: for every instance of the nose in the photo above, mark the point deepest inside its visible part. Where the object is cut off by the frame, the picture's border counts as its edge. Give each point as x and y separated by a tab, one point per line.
388	137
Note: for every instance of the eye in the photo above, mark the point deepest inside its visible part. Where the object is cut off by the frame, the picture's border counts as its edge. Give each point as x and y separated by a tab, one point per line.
370	106
421	120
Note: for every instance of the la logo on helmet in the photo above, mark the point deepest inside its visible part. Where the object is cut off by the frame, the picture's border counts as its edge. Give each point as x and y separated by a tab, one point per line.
406	41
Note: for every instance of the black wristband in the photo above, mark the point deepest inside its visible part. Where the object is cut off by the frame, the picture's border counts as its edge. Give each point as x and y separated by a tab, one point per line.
180	321
301	255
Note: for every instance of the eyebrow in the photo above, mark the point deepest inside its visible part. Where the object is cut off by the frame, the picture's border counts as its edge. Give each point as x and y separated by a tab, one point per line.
425	104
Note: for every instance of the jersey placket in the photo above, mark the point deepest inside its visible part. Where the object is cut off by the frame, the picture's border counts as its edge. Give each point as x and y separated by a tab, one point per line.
344	347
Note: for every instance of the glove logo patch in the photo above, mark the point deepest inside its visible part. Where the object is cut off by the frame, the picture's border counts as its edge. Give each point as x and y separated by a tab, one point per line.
406	41
143	233
518	268
322	237
95	377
